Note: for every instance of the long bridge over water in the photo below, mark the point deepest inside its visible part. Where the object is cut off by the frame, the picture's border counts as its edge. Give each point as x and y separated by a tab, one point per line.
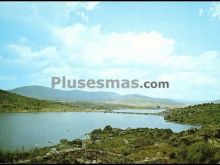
133	113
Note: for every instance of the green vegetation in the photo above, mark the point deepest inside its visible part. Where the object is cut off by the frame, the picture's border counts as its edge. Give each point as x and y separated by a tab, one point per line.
11	102
159	145
203	114
142	145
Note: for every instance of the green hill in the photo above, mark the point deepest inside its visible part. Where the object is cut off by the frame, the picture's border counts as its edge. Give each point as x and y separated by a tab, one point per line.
11	102
202	114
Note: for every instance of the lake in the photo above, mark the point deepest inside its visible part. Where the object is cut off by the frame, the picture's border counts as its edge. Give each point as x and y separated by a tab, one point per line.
28	130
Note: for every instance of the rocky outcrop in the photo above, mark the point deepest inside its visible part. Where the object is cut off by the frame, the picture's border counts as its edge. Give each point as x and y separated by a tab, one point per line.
80	156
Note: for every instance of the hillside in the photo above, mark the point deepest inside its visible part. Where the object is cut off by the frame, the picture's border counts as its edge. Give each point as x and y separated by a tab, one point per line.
40	92
202	114
11	102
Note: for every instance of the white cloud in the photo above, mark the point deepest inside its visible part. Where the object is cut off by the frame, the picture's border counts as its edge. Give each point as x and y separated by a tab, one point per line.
42	16
82	51
114	48
91	5
201	11
82	5
83	16
26	53
215	10
80	9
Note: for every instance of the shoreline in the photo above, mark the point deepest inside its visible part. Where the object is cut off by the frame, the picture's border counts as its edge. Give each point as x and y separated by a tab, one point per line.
72	150
89	110
106	111
138	145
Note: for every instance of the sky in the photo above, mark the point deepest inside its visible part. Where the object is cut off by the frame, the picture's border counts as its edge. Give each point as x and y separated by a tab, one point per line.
155	41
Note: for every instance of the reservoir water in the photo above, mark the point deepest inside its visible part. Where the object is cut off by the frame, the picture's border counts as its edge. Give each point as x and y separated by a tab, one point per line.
28	130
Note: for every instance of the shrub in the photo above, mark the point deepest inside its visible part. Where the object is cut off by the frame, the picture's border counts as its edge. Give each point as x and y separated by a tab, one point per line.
182	152
200	152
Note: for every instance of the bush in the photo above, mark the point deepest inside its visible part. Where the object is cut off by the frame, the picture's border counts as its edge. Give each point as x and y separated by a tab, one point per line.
107	129
172	155
142	141
182	152
64	141
200	152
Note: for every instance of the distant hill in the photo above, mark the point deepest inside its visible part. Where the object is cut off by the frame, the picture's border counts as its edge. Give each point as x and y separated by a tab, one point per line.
40	92
216	101
11	102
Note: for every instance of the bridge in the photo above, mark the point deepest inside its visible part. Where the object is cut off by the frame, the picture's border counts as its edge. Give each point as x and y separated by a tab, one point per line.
133	113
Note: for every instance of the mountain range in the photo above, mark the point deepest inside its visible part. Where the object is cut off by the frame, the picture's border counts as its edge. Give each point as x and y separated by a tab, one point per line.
12	102
46	93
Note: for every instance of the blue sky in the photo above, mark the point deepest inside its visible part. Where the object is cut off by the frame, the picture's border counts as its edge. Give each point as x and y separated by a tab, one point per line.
173	41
